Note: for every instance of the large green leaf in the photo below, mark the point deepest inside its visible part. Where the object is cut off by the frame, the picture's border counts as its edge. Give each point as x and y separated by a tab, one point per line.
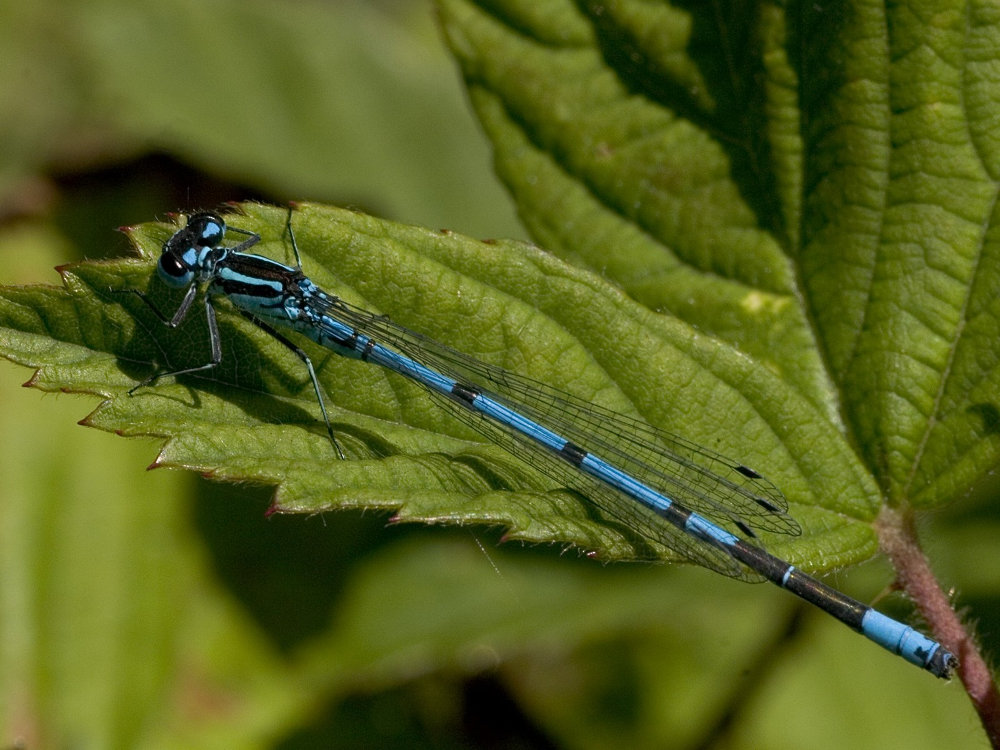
814	184
255	417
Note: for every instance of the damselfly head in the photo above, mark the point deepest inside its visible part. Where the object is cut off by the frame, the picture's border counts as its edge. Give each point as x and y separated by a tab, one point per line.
186	248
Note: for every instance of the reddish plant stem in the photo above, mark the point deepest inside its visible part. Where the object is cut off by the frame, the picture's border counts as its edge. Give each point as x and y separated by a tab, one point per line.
898	540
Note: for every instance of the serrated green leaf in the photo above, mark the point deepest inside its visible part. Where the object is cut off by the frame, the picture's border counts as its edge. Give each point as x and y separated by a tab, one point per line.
815	187
255	417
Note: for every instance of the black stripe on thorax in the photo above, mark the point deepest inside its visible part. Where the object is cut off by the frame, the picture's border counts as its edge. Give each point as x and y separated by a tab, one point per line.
255	275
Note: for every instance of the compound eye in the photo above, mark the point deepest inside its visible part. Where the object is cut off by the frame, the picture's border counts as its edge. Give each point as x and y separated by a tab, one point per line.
209	229
174	272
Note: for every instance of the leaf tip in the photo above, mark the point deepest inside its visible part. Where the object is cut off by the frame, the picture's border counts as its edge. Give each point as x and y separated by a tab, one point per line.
63	269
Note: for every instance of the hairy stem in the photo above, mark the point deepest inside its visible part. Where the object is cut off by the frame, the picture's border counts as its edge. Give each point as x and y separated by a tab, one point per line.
898	539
